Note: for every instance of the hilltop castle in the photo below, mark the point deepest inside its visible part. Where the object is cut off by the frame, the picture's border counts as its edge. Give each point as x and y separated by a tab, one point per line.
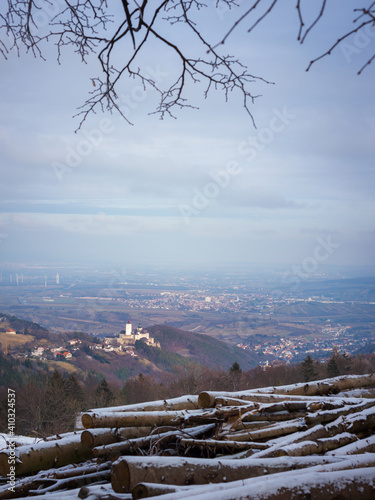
130	336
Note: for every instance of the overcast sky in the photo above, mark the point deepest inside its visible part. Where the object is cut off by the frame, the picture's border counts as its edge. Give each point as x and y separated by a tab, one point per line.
207	187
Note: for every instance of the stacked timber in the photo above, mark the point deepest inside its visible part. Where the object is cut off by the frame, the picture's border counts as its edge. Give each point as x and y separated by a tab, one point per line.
303	440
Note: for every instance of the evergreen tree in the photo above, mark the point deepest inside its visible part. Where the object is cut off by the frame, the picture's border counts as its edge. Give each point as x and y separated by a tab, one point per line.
332	367
334	363
235	373
104	395
309	371
235	368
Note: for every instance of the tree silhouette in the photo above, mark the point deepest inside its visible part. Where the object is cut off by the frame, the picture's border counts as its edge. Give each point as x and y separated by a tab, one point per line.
120	34
103	394
235	368
309	371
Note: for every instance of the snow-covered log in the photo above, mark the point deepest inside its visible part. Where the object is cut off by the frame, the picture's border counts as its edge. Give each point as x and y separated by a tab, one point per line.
316	447
279	442
361	446
127	472
279	429
46	455
146	490
348	484
155	418
99	437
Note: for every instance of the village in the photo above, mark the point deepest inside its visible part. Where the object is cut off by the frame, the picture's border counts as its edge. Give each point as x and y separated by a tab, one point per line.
295	349
122	343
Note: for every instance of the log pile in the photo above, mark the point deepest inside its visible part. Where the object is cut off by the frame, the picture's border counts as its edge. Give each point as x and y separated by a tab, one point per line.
299	441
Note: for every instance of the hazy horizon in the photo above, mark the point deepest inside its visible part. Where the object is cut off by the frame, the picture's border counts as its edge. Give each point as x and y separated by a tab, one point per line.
207	188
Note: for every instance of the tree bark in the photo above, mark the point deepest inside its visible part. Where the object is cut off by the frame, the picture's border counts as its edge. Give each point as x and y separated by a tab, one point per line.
99	437
268	432
46	455
127	472
146	490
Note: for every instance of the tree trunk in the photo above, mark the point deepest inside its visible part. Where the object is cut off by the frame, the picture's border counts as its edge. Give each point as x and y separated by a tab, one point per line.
99	437
268	432
46	454
319	446
127	472
146	490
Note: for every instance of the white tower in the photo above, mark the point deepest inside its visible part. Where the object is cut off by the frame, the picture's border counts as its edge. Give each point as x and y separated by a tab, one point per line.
57	279
128	328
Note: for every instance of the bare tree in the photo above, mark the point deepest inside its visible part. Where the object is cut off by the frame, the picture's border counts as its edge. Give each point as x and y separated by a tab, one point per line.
120	33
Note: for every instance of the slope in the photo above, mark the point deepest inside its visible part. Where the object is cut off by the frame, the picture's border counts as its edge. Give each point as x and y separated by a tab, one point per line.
201	348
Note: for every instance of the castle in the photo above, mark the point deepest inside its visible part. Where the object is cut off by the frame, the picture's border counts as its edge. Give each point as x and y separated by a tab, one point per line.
128	338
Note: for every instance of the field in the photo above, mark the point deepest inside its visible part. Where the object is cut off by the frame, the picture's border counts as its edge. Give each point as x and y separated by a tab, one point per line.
10	340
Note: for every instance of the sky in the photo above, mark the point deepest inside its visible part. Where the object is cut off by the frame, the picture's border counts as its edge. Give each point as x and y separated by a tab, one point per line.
206	187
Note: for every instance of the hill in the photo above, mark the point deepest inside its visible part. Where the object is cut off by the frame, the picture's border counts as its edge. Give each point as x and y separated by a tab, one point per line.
201	348
179	348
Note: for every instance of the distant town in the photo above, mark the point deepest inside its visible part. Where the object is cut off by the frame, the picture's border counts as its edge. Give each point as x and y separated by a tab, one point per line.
254	310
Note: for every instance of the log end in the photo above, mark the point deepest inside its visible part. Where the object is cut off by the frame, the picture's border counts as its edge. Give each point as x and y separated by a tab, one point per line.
87	421
87	439
206	400
120	477
140	491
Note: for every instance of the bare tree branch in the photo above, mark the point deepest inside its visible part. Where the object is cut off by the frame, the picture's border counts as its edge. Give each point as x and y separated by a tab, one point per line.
124	30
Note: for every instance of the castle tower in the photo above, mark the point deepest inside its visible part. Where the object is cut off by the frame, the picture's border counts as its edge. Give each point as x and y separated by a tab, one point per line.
128	328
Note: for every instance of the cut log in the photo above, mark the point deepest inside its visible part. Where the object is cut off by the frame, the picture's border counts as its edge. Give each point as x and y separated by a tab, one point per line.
215	444
156	418
68	483
181	403
330	415
99	437
146	490
100	492
239	425
268	432
361	446
362	422
207	399
188	402
232	402
46	454
255	415
49	478
348	484
130	419
127	472
304	448
328	386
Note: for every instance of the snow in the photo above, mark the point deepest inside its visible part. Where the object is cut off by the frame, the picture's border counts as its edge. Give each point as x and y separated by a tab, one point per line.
275	484
323	422
18	440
